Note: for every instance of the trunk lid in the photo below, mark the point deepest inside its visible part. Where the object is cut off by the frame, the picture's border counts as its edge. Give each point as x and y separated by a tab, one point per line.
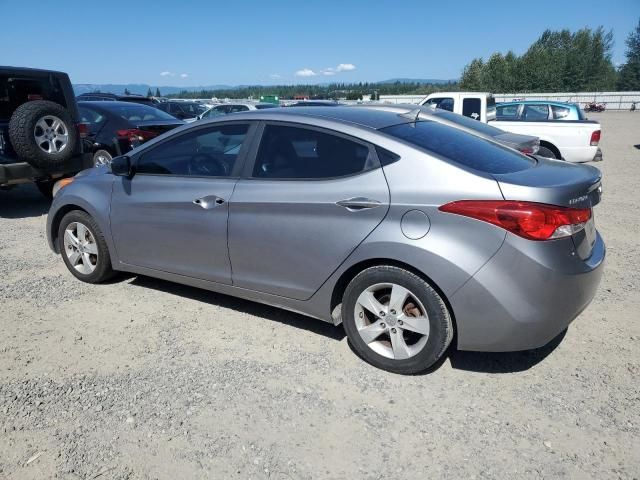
556	182
158	126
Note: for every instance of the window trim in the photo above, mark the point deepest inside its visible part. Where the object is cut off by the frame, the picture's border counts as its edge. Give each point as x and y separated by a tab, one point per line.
247	172
238	166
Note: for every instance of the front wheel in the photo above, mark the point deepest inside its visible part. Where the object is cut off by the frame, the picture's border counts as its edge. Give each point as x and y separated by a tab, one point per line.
395	320
83	248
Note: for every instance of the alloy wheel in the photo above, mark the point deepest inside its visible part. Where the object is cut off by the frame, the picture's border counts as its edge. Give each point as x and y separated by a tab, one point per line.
80	248
51	134
392	321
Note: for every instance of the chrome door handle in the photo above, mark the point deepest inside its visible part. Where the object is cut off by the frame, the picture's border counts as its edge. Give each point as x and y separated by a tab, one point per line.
358	203
208	202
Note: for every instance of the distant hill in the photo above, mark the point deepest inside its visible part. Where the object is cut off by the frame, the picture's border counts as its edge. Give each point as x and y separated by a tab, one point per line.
138	88
142	88
434	81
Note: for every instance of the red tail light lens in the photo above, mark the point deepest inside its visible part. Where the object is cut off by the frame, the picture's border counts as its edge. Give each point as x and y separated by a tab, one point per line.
136	135
595	138
534	221
83	129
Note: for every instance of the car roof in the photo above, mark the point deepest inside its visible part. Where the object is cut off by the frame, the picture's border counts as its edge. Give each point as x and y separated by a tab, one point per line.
18	70
109	105
554	102
364	117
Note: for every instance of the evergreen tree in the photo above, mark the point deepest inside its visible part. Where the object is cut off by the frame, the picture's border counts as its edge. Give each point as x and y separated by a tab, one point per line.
127	92
629	75
158	92
149	92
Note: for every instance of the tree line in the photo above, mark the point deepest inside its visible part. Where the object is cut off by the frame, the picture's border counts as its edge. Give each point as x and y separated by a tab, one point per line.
558	61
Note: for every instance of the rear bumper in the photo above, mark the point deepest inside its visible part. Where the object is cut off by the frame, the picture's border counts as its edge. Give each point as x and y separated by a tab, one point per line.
21	172
581	154
523	299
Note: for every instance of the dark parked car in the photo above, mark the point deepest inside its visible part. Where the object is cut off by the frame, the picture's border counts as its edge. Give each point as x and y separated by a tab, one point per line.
117	127
408	231
112	97
182	110
40	129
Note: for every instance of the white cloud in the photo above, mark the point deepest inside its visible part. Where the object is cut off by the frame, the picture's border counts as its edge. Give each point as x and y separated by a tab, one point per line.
305	72
183	75
275	76
166	74
345	67
328	71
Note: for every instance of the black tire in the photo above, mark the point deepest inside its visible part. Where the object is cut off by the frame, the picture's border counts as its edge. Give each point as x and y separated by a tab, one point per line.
46	188
22	129
546	152
103	270
102	157
440	323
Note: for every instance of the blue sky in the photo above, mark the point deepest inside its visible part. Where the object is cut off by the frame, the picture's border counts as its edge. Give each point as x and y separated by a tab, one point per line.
194	43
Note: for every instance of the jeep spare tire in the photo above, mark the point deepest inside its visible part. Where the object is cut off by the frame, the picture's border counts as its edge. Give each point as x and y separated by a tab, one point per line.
42	133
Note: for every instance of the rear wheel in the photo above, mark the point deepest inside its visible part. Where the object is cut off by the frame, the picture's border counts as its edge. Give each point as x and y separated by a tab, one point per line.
83	248
395	320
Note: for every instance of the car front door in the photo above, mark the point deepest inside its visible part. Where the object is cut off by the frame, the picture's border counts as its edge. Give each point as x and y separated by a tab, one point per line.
311	197
172	214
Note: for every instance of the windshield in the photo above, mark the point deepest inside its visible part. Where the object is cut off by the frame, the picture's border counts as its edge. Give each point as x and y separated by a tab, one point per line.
136	112
469	123
461	147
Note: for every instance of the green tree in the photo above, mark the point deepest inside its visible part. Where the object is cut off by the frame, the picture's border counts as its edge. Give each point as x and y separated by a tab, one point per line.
629	74
158	92
127	92
149	92
472	76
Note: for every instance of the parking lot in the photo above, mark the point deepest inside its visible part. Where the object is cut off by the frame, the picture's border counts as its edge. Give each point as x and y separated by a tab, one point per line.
141	378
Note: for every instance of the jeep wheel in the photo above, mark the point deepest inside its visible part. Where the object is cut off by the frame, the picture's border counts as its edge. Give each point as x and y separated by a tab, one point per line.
43	134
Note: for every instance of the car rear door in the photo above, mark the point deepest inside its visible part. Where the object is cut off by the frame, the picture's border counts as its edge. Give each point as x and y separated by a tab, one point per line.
172	215
308	200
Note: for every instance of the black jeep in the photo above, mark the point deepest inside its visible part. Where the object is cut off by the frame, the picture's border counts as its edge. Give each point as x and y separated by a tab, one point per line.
40	129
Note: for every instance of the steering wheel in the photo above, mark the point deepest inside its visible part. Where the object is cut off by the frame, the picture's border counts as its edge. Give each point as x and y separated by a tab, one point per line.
204	164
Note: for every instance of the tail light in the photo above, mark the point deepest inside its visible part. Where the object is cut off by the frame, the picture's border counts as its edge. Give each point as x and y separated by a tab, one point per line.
530	220
530	149
83	129
136	135
595	138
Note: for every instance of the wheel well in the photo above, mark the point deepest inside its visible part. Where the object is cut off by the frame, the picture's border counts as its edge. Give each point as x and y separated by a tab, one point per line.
552	147
351	272
55	224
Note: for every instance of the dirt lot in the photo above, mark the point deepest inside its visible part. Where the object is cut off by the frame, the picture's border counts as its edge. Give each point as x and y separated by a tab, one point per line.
145	379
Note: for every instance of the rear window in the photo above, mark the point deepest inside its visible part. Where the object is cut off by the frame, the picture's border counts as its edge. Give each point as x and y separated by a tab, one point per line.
469	123
461	147
265	105
137	112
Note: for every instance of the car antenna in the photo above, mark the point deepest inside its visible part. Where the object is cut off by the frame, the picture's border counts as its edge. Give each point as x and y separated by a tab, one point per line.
412	114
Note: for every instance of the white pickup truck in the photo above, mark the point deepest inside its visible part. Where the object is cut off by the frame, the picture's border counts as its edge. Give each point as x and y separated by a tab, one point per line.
571	140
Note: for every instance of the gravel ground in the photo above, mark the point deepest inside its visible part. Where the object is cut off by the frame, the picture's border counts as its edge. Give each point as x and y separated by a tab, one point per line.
141	378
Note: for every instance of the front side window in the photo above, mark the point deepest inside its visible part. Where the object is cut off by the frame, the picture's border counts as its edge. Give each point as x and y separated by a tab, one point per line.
208	152
444	103
290	152
535	112
238	108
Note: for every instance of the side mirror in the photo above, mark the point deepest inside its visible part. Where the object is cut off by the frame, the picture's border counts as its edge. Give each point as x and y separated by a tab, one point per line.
121	166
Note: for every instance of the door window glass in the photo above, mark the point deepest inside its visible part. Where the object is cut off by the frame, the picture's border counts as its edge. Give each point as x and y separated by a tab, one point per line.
290	152
535	112
559	112
444	103
471	108
507	112
210	152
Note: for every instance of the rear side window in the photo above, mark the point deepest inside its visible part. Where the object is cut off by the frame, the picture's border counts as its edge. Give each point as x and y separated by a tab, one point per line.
471	107
507	112
560	112
461	147
290	152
